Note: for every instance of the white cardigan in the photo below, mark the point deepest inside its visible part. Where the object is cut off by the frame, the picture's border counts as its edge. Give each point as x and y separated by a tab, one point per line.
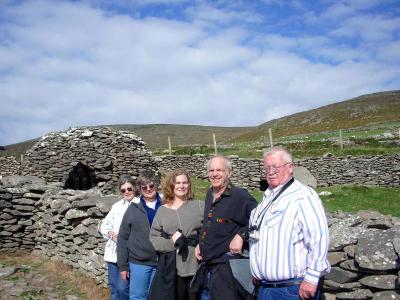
111	223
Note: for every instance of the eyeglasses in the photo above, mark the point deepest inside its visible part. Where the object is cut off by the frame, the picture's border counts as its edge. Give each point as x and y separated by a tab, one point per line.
129	189
147	187
275	169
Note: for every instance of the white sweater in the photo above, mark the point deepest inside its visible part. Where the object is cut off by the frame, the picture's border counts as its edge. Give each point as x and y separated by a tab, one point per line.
111	223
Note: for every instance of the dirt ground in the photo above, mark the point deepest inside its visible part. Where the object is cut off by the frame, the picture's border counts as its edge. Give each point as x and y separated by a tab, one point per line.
27	277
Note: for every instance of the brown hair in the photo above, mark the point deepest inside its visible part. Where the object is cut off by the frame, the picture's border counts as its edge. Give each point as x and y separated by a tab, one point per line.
169	186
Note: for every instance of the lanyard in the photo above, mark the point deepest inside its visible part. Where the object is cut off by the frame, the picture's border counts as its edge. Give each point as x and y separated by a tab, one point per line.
264	211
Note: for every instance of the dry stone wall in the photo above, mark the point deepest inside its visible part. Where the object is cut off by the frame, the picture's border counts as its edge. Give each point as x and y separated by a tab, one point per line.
87	156
379	170
62	224
9	166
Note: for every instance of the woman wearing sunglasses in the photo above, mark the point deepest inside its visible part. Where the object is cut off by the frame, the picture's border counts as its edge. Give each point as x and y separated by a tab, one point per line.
174	234
119	288
137	259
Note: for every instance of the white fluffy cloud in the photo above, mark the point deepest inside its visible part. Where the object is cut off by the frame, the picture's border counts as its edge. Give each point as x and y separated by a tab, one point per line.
221	63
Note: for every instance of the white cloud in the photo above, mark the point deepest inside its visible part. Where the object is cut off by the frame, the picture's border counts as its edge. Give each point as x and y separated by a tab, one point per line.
69	64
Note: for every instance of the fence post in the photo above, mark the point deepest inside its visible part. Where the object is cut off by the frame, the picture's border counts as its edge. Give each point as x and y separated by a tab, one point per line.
215	144
22	158
340	139
169	145
270	137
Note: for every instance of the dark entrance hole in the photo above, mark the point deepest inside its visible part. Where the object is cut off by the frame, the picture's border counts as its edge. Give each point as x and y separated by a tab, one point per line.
81	177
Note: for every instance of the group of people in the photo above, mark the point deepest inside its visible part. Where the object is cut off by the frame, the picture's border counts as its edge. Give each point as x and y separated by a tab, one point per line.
171	246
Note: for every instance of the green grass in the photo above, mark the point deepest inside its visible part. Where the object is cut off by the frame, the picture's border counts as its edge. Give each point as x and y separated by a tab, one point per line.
344	198
355	198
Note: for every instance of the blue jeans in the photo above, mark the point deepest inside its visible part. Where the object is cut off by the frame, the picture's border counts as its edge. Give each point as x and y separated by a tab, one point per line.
140	280
119	288
283	293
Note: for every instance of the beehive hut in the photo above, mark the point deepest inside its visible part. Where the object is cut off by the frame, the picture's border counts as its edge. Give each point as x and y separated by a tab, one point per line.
86	157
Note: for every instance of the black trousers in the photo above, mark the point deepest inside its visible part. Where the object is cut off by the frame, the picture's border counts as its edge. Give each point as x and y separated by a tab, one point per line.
182	289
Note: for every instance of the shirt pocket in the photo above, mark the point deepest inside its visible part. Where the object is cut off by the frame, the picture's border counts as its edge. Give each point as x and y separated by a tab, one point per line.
273	219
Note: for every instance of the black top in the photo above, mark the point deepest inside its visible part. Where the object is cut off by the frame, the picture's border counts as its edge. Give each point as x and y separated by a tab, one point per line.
227	216
133	244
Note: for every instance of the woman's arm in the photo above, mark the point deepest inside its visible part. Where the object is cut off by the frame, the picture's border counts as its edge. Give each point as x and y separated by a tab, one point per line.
160	243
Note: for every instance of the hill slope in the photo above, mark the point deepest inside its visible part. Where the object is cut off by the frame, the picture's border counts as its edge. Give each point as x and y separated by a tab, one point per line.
356	112
360	111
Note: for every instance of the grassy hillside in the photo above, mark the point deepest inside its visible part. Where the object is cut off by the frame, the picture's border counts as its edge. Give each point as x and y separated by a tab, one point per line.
364	115
361	111
156	135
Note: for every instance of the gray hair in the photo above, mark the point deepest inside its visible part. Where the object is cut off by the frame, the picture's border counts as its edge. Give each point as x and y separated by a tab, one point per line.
228	162
279	149
147	176
125	178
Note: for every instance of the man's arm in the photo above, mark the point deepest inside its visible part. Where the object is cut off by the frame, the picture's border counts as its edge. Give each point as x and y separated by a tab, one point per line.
316	239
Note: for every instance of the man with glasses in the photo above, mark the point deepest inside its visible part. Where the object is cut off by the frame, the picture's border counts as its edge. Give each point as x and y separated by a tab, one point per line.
289	236
225	226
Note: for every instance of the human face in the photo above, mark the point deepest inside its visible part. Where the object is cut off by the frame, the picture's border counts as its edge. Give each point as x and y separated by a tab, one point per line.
277	170
126	191
181	188
218	173
149	191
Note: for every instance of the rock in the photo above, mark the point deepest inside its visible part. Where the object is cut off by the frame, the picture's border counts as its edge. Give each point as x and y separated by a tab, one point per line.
106	202
382	282
324	193
341	276
387	295
7	271
362	294
336	257
303	175
350	250
75	214
332	286
375	249
18	180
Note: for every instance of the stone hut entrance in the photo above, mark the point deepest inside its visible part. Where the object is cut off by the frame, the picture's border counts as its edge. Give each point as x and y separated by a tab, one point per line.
81	177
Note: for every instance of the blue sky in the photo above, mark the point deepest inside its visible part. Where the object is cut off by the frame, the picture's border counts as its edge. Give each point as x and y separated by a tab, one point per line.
226	63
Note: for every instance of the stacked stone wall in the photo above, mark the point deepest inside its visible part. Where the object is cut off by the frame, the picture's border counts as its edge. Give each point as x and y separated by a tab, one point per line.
9	166
63	225
379	170
105	152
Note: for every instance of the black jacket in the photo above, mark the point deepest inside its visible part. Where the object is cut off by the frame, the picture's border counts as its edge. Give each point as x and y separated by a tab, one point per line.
133	244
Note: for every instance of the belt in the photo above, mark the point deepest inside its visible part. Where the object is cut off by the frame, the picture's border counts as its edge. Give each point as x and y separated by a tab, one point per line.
280	284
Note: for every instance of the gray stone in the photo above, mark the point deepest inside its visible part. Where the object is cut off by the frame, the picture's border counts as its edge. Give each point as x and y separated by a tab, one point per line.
303	175
23	201
350	250
382	282
396	244
387	295
7	271
375	249
17	180
336	257
106	202
341	276
75	214
362	294
332	286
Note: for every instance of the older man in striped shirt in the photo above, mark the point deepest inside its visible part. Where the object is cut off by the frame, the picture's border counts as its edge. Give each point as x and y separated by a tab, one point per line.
289	235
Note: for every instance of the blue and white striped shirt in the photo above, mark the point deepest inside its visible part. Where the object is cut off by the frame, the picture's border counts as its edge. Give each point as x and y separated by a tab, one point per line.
293	236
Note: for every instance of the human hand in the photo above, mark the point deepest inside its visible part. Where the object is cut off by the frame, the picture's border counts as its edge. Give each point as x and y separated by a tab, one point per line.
124	275
176	236
197	253
113	235
236	245
307	290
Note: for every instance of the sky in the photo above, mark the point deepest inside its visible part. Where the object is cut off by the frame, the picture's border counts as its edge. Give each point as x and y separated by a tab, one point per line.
221	63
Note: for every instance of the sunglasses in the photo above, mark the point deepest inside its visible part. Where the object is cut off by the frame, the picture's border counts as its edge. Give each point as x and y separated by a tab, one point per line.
129	189
147	187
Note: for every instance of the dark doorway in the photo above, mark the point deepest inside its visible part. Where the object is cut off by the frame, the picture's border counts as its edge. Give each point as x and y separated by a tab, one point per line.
81	177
